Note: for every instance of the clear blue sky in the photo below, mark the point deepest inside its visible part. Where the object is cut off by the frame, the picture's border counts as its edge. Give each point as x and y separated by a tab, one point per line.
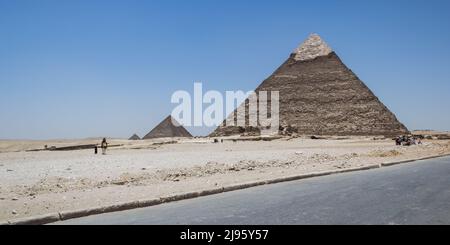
84	68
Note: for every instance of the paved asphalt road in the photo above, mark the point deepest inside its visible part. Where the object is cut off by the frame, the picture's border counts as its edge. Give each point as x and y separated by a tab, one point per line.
413	193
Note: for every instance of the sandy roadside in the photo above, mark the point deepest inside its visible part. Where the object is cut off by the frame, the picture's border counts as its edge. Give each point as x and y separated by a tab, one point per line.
34	183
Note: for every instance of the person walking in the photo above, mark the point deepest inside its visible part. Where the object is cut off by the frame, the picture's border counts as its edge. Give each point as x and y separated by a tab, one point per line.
104	146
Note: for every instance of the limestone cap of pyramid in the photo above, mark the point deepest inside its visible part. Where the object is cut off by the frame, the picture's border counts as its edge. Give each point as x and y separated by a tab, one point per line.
312	48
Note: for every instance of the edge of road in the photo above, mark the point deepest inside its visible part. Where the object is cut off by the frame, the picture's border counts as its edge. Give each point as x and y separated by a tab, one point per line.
66	215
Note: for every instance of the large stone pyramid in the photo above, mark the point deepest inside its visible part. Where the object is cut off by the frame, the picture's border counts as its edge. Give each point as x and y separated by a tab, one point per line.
319	95
168	128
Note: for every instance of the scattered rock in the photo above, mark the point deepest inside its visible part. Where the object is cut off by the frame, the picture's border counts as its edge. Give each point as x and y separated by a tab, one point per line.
14	212
381	153
14	199
9	170
443	137
379	138
119	182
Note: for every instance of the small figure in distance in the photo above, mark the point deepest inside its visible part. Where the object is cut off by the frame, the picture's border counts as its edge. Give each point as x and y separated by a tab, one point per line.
104	146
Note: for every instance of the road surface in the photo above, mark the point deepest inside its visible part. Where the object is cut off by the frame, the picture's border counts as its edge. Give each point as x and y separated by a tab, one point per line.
413	193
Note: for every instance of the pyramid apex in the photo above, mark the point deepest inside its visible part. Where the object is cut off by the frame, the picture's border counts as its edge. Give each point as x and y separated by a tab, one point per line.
313	47
172	120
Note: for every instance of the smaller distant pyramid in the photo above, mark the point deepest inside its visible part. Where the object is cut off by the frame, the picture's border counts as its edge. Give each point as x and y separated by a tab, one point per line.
168	128
135	137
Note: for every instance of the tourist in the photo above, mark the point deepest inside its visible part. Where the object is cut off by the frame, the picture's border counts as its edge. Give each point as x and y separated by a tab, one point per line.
96	150
104	146
405	138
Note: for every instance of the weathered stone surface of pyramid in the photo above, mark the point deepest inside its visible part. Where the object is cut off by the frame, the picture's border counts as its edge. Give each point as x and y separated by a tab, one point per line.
319	95
135	137
168	128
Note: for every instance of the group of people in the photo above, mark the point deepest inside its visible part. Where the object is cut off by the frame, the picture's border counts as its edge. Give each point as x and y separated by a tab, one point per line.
104	146
408	141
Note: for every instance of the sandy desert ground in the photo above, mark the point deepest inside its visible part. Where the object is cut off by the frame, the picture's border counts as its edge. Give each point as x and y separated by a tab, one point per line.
41	182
